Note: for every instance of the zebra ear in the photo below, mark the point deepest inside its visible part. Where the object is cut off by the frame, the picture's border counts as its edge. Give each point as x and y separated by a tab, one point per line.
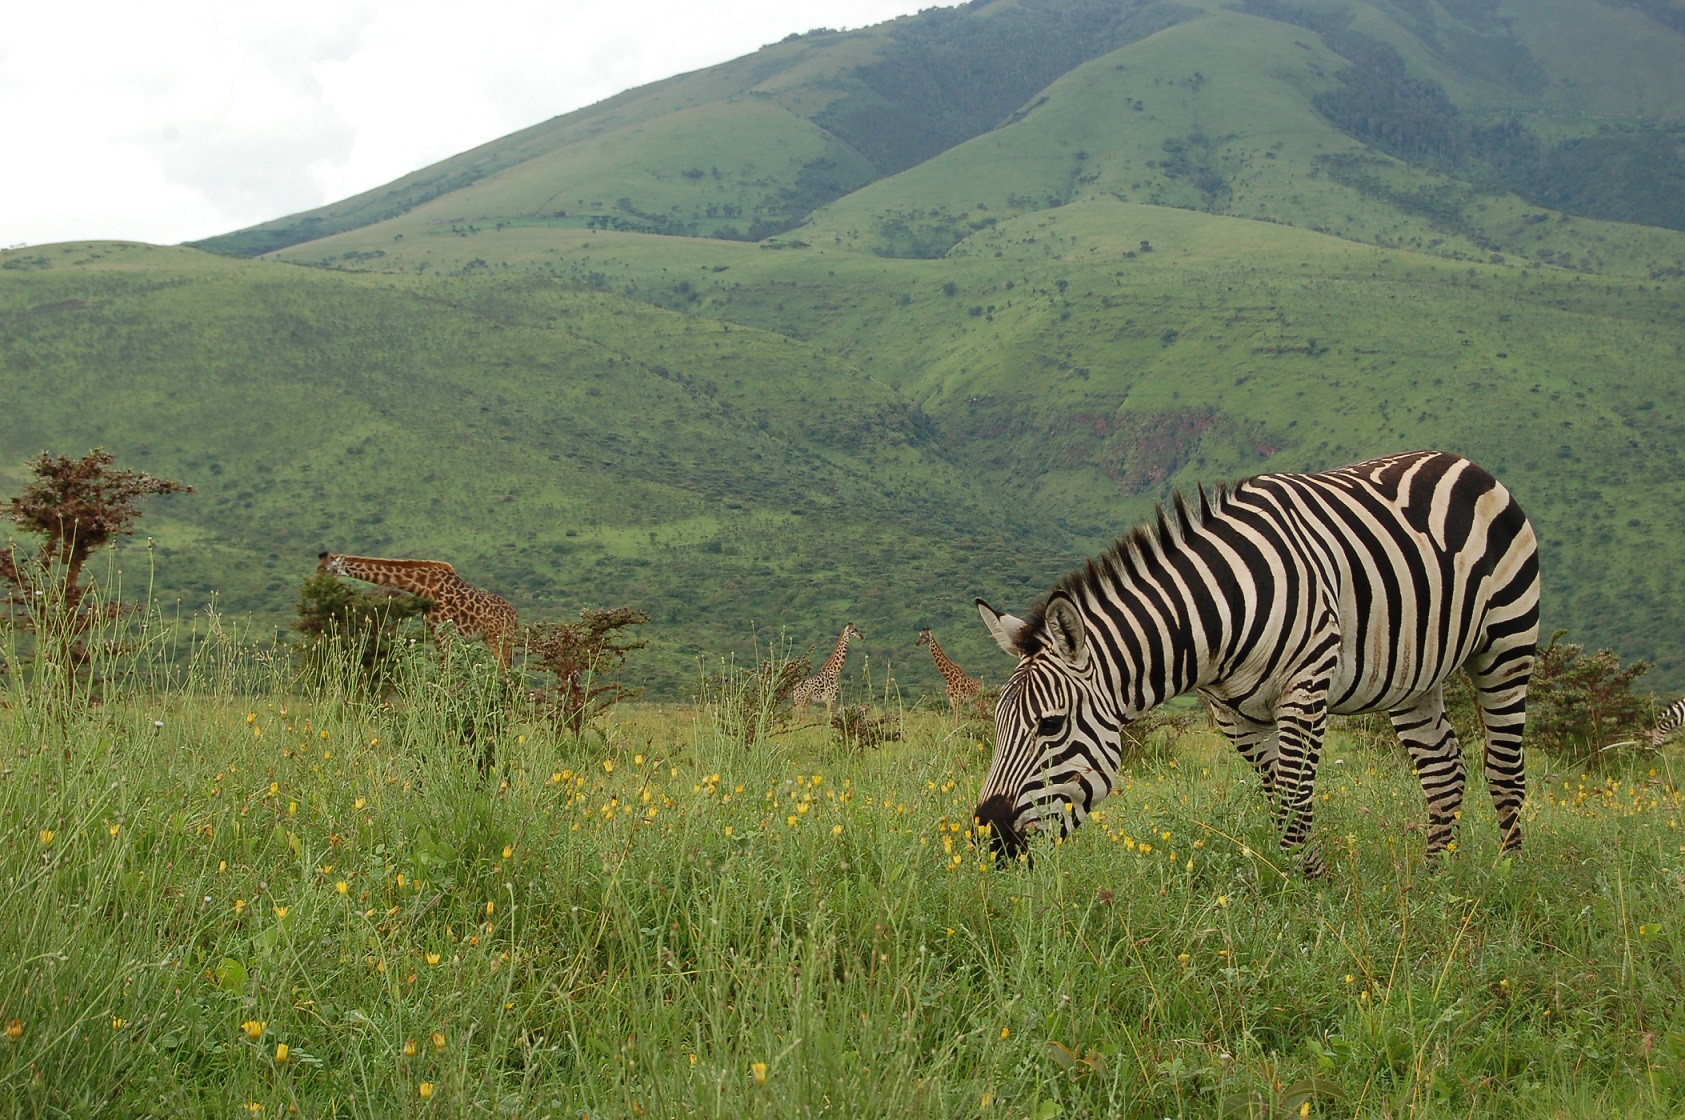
1064	630
1003	628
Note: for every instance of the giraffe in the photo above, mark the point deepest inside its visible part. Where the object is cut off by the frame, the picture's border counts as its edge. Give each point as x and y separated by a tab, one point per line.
823	686
475	613
962	689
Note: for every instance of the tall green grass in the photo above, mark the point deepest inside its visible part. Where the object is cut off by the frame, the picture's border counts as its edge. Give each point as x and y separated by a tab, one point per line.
657	920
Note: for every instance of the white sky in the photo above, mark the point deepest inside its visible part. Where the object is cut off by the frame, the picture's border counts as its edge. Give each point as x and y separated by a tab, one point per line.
178	119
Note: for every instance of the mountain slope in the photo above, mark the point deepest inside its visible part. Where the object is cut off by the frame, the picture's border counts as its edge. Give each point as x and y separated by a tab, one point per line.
566	449
1442	127
864	324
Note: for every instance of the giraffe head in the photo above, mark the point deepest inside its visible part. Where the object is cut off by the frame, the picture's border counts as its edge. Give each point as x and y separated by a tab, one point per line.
850	631
924	637
329	562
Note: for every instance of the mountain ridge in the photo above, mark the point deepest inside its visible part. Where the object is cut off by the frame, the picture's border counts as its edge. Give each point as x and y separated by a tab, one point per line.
583	376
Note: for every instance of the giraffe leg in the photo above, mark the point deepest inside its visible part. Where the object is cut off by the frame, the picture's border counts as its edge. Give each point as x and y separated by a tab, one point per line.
1438	761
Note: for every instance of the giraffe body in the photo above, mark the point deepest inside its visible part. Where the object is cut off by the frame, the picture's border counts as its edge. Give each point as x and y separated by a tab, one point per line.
474	613
823	686
962	688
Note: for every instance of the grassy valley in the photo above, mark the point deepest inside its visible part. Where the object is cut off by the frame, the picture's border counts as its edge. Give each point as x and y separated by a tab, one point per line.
867	323
566	448
854	329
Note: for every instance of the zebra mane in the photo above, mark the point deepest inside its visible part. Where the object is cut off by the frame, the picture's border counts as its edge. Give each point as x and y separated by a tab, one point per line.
1129	556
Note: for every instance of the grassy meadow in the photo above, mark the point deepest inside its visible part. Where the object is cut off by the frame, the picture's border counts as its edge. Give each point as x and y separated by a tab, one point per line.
230	892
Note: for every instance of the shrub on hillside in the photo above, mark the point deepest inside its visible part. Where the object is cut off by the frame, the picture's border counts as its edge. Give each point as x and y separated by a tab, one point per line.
343	626
580	657
75	507
746	704
1580	705
856	726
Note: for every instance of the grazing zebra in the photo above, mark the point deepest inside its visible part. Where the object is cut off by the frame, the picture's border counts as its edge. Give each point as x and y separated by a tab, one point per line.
1670	722
1281	599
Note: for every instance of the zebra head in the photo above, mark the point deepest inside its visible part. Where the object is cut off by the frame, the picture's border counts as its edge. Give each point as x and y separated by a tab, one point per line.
1057	728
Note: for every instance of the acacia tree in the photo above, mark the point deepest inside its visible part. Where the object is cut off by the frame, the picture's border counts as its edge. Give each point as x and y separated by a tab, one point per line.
75	507
580	656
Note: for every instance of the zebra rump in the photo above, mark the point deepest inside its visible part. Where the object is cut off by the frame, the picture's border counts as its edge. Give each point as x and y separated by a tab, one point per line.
1281	599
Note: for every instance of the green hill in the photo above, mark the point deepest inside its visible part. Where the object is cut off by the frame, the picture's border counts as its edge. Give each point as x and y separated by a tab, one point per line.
565	448
864	324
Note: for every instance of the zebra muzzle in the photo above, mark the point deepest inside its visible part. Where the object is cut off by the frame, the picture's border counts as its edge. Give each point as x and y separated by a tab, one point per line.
997	814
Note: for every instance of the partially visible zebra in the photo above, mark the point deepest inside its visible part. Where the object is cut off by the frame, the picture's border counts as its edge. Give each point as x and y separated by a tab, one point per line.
1282	599
1669	723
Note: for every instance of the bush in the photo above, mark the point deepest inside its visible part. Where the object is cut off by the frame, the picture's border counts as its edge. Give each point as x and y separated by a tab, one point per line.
580	656
745	705
344	626
76	507
1579	706
856	727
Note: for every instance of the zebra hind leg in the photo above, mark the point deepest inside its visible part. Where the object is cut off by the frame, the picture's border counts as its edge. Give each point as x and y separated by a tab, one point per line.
1500	684
1437	757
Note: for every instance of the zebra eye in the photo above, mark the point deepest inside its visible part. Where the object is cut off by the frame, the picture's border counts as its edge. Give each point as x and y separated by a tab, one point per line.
1050	725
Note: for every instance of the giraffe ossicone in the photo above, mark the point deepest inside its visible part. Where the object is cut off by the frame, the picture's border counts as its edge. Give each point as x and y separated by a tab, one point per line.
451	599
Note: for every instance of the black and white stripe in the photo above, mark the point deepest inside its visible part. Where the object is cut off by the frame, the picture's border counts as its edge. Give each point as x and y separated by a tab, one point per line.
1669	723
1282	599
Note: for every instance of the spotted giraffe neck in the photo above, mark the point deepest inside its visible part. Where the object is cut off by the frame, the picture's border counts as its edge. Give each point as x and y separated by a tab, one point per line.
451	599
418	577
944	664
834	663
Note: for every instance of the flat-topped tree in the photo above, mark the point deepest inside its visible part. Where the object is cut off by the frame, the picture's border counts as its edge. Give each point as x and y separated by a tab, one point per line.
76	506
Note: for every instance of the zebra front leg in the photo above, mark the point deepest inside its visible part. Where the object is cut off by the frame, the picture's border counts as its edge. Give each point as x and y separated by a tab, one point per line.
1301	721
1438	761
1256	742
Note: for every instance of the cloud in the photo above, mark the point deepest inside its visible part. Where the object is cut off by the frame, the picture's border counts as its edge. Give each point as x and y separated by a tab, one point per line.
185	118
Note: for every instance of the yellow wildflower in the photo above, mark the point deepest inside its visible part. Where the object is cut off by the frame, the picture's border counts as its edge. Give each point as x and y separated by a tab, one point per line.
759	1071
